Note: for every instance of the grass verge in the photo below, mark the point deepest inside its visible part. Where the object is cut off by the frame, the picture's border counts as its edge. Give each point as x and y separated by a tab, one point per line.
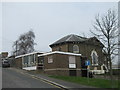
101	83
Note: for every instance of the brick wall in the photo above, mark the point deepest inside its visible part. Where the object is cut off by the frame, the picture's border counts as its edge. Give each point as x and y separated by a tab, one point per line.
84	49
18	62
60	65
62	47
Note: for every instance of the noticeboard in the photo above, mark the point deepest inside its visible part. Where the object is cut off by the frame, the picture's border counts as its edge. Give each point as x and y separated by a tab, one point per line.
87	63
72	65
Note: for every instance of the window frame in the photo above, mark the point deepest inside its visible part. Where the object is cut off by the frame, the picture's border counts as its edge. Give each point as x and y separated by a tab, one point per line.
50	59
77	49
72	63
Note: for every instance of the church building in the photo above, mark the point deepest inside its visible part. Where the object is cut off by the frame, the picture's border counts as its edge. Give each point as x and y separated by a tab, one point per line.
91	48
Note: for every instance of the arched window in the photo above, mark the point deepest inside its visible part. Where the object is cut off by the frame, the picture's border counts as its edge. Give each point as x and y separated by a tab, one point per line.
75	49
94	57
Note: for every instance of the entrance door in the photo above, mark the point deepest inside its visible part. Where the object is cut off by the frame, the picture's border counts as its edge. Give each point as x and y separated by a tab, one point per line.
40	63
72	72
83	67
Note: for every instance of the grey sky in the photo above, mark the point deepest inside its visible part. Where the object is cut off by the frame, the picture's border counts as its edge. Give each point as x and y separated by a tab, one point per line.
49	21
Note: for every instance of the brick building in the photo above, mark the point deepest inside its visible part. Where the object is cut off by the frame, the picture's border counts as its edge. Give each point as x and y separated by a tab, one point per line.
27	61
89	47
62	63
3	55
68	57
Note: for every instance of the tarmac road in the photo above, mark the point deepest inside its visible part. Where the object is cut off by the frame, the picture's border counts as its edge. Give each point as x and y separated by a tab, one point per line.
13	79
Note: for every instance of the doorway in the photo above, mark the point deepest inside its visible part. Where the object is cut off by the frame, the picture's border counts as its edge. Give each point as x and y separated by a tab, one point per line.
83	67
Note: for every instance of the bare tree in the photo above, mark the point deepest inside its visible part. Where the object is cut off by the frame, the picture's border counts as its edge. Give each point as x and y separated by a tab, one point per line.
107	32
25	43
15	49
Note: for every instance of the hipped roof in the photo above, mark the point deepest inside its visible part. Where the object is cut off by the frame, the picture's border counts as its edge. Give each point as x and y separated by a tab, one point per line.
72	38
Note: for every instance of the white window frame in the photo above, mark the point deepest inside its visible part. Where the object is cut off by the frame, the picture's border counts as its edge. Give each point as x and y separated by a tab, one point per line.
33	58
50	59
72	64
75	47
29	61
73	58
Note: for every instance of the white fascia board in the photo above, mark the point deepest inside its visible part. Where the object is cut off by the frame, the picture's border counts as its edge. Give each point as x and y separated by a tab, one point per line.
59	52
27	54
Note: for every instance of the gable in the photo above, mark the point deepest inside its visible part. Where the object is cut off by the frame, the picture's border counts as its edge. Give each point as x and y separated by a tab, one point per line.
94	41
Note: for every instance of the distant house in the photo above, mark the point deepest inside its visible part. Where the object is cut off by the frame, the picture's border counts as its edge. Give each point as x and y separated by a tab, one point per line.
27	61
11	60
89	47
62	63
3	55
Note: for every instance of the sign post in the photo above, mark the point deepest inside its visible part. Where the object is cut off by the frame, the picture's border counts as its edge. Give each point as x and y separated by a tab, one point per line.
87	63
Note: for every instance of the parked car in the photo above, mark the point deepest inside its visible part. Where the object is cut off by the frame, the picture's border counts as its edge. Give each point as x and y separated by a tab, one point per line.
5	63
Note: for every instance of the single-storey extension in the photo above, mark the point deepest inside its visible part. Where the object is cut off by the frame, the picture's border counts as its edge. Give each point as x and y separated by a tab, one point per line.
62	63
27	61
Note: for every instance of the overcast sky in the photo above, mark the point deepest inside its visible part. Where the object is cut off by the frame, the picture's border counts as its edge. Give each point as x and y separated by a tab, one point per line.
49	21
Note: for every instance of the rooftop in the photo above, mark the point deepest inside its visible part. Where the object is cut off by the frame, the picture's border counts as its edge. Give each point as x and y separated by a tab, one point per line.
72	38
28	54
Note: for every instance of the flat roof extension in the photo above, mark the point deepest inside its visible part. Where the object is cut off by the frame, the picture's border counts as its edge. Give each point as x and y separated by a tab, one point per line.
59	52
27	54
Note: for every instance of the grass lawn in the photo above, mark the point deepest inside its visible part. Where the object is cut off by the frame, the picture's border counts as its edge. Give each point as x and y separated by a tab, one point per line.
101	83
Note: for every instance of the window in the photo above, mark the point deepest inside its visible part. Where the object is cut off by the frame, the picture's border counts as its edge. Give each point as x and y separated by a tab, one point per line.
75	49
71	59
32	58
25	58
40	60
72	63
94	57
50	59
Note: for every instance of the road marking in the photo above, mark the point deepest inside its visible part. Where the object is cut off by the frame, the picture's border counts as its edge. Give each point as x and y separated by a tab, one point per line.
52	84
44	80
